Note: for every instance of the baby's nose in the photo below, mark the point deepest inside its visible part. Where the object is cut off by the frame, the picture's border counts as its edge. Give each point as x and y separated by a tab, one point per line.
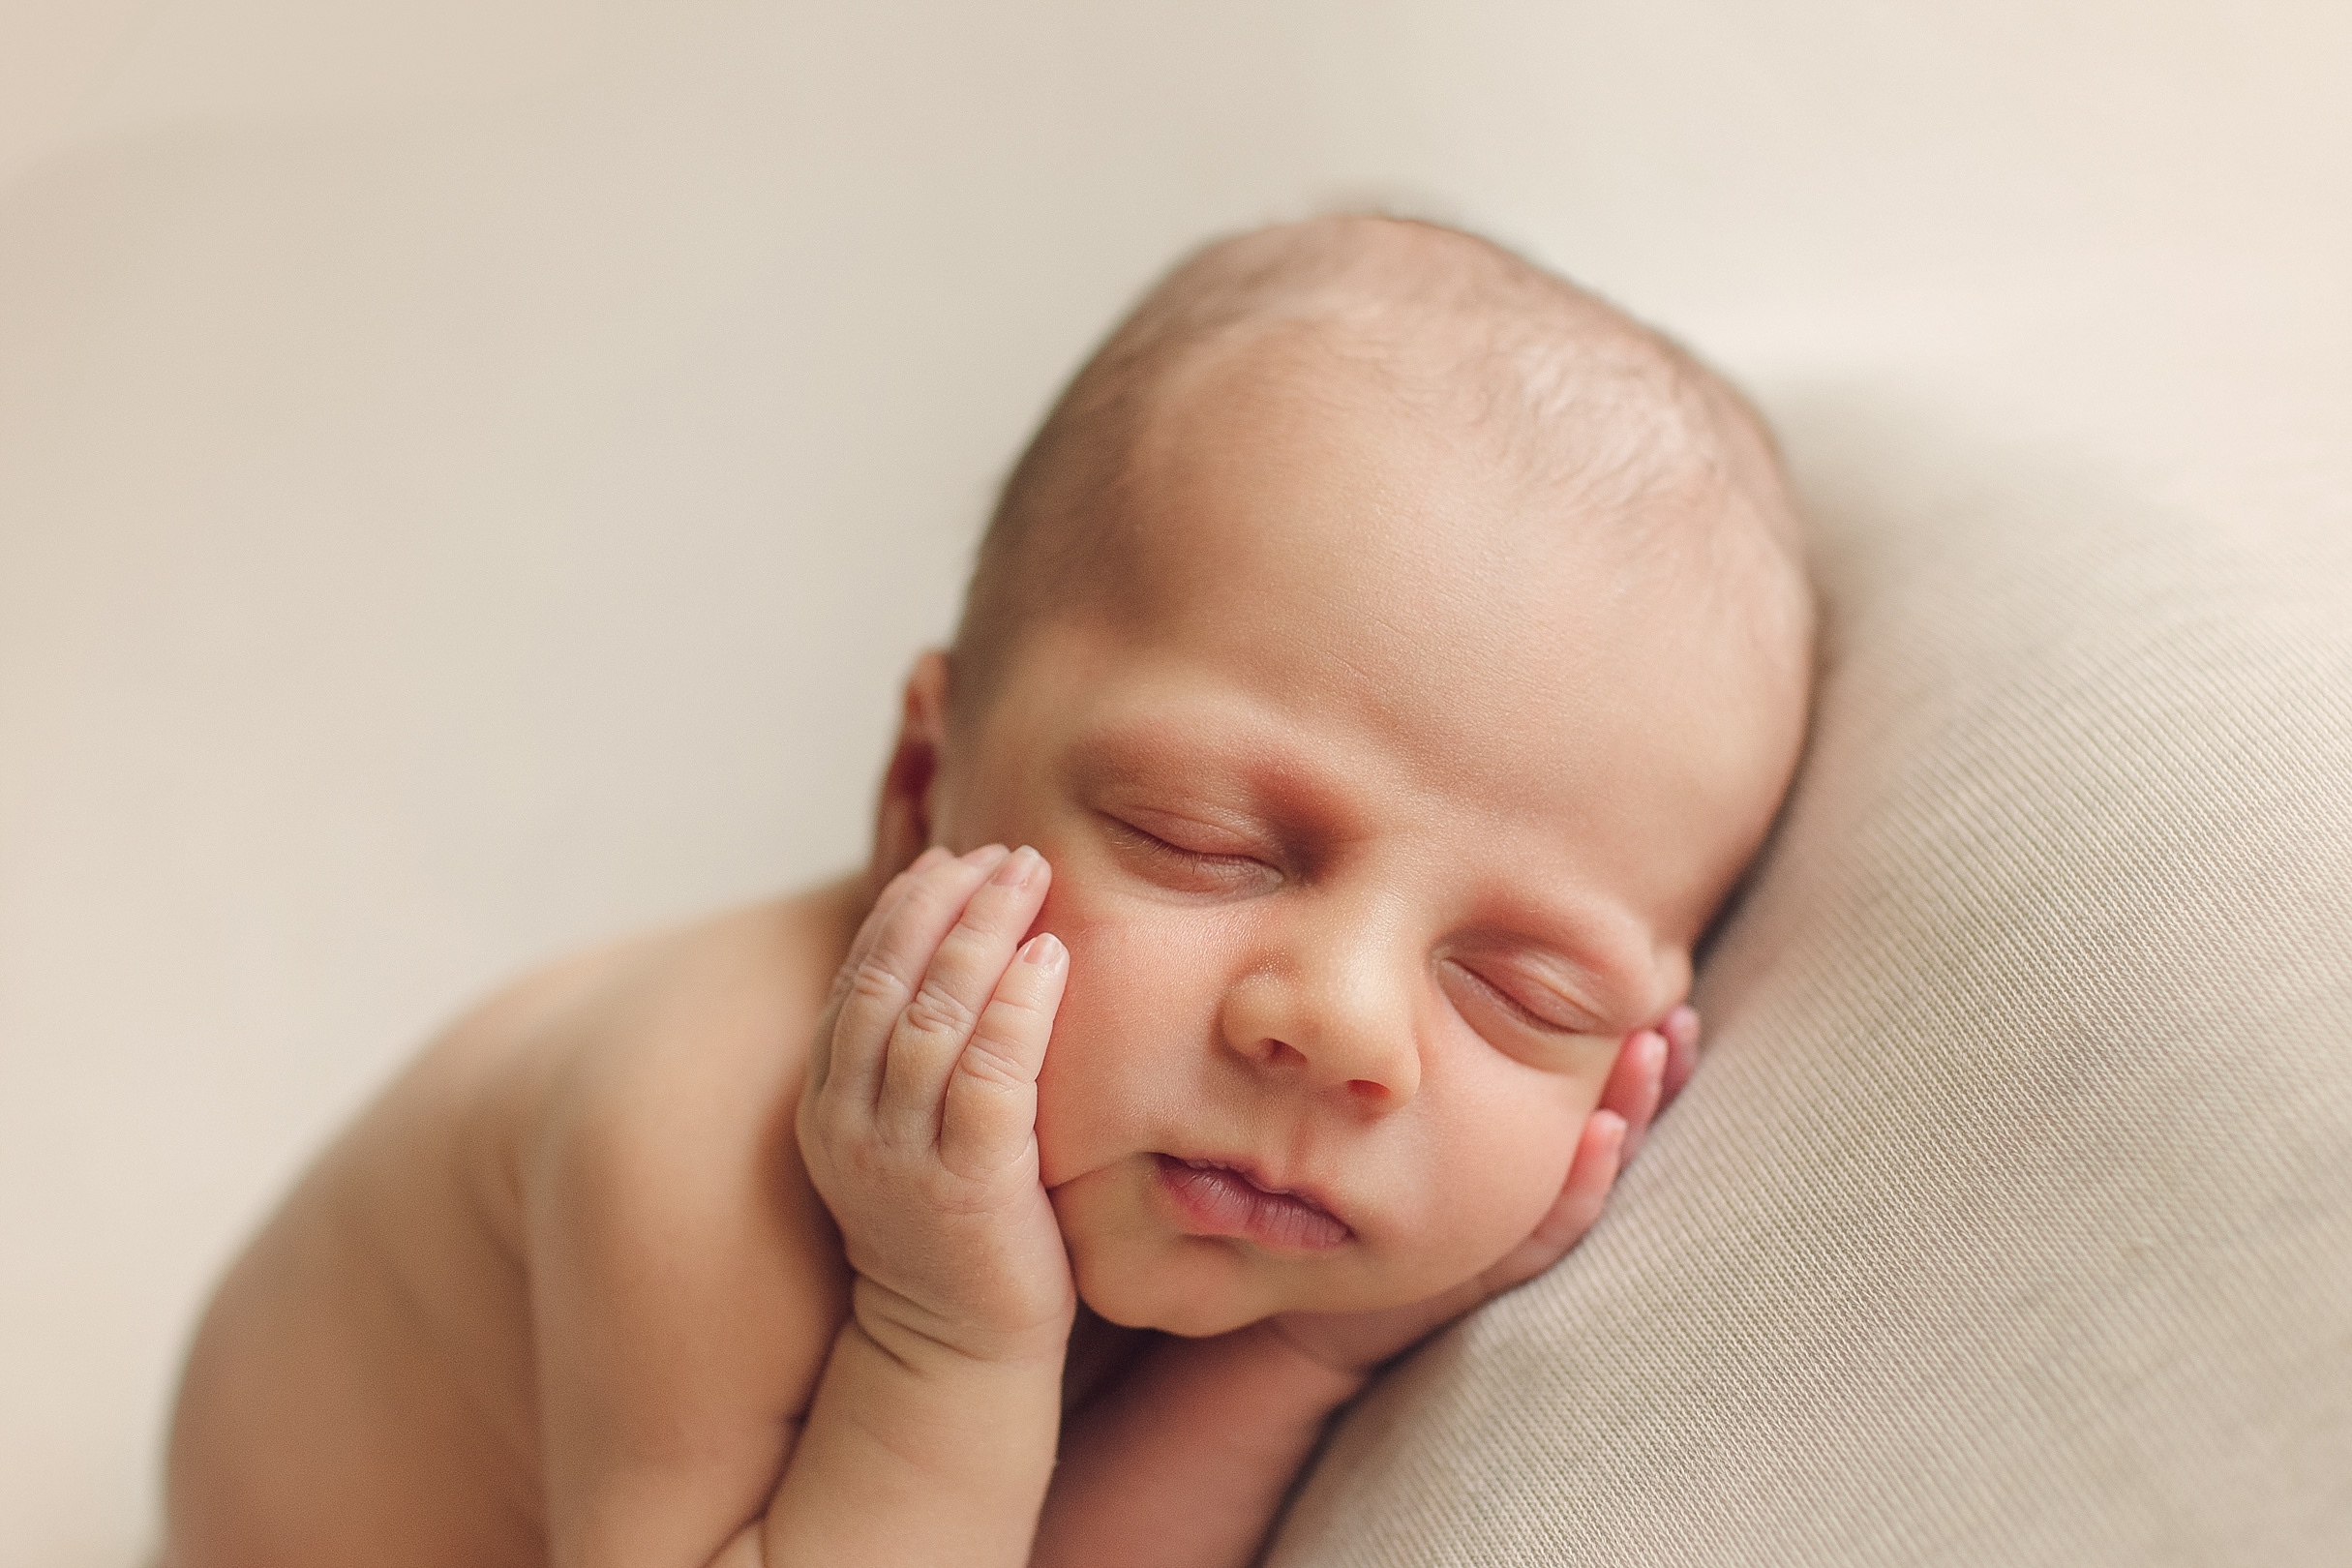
1331	1027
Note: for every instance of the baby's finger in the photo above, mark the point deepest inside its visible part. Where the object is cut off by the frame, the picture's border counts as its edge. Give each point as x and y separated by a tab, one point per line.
963	974
1591	1172
991	1110
1599	1157
885	979
1681	1030
1635	1085
893	893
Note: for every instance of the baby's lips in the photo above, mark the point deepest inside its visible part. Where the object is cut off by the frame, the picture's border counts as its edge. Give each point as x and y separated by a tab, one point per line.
1222	1199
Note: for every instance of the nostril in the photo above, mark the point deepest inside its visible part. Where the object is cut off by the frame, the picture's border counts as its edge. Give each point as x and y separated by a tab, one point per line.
1368	1089
1283	1052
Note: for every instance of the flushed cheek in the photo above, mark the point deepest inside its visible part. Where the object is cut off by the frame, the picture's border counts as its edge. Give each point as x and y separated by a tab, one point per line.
1127	1043
1494	1175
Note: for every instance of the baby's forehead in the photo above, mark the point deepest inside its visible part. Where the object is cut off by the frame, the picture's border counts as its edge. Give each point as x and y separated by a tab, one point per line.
1366	482
1399	449
1544	401
1572	421
1326	538
1361	493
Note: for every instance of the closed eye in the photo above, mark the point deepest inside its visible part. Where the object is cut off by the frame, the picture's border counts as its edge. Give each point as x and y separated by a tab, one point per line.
1501	998
1221	869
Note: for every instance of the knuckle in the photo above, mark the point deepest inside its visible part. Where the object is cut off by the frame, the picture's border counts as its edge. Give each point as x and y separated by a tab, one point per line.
1020	1008
936	1012
968	941
873	981
927	892
988	1061
987	915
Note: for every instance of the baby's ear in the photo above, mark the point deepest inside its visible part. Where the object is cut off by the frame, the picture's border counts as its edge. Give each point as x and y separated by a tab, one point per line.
903	817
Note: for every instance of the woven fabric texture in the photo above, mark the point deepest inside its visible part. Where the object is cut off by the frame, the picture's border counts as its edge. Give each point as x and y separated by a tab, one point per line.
2010	1219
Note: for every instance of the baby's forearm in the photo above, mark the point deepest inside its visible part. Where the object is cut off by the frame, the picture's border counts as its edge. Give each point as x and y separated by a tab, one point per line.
1184	1464
913	1453
930	1436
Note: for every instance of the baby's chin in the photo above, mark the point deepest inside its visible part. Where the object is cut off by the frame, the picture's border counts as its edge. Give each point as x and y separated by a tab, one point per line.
1187	1324
1197	1298
1172	1307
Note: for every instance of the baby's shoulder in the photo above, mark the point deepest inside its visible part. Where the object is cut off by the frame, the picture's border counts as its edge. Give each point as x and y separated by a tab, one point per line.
696	1013
671	1061
637	1101
659	1198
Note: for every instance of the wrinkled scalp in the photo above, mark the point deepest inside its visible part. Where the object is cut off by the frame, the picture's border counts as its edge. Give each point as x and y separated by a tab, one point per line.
1570	393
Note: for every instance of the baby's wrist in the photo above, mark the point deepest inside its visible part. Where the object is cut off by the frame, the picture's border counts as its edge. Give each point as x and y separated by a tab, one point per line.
931	1342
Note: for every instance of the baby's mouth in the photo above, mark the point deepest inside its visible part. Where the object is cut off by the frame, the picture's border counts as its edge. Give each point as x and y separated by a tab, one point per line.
1214	1200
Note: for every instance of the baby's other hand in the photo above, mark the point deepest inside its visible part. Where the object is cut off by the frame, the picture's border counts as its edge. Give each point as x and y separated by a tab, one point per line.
919	1124
1652	1068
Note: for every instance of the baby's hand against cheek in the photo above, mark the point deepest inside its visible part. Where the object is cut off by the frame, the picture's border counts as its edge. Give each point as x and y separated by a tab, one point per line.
919	1124
1652	1068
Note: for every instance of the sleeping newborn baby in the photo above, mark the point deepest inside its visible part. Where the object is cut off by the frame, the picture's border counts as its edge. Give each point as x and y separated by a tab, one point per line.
1379	670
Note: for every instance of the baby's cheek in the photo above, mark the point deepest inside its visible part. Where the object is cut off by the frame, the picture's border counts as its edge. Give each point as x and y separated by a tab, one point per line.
1113	1039
1140	976
1497	1188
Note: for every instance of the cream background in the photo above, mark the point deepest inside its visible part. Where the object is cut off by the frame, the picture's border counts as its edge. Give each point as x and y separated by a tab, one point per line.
471	475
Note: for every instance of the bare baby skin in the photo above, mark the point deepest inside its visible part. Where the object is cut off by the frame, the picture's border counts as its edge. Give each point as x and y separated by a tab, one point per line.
1276	936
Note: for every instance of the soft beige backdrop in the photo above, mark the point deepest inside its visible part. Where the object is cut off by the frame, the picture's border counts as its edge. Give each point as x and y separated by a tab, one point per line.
469	475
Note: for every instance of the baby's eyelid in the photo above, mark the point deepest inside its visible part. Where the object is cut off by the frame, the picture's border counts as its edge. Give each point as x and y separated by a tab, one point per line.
1503	994
1220	860
1158	834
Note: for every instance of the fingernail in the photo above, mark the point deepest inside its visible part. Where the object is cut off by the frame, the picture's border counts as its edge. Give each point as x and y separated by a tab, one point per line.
1045	950
1018	867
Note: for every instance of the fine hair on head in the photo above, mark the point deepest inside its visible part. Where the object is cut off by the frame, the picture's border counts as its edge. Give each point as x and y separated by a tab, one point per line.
1575	398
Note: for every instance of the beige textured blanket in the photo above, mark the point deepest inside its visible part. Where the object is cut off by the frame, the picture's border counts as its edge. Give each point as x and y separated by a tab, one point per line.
2010	1220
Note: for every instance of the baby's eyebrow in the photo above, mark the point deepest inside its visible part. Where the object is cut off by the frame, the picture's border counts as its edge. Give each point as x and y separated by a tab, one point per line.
1276	778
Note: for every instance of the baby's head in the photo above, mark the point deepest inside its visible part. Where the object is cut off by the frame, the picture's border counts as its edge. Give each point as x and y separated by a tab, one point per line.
1397	655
